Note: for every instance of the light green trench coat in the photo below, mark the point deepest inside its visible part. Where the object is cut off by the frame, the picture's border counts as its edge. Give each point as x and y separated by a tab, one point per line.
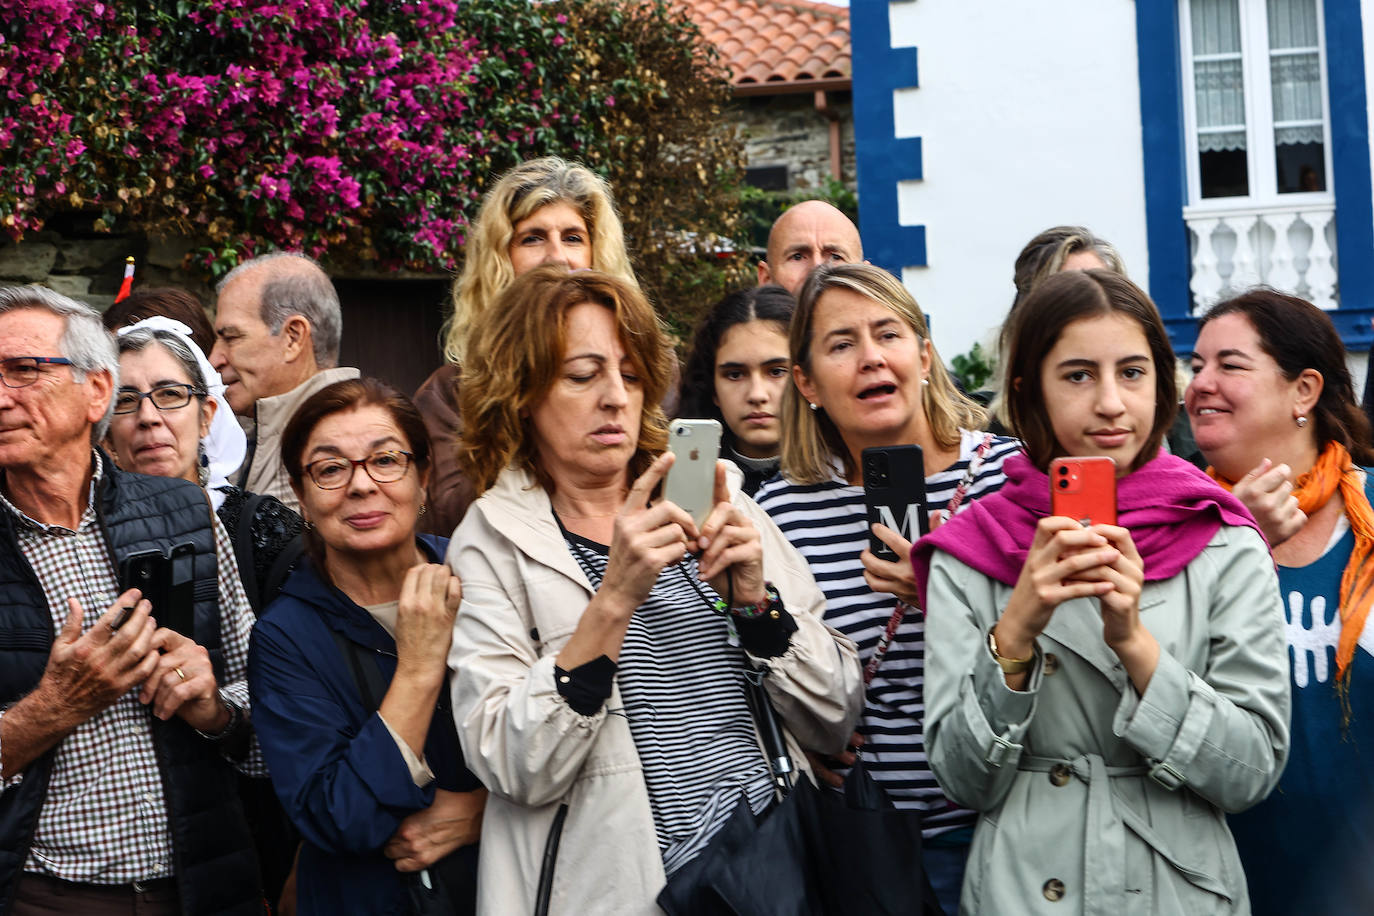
1094	799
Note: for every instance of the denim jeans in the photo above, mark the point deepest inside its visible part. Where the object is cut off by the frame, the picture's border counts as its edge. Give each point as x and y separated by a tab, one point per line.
945	868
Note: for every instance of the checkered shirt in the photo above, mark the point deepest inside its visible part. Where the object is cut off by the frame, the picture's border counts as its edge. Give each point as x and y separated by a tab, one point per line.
104	818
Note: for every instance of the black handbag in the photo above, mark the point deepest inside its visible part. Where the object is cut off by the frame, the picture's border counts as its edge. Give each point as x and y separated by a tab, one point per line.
813	853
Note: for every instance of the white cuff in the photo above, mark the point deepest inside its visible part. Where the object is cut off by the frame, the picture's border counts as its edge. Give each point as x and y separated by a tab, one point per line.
420	772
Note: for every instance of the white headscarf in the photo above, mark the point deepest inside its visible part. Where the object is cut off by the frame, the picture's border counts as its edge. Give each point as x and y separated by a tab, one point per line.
225	444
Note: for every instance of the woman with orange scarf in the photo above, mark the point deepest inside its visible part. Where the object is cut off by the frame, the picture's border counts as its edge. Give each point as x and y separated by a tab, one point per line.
1274	411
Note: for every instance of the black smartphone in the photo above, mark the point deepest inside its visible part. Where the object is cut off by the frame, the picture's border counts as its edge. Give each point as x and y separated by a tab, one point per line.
167	580
895	494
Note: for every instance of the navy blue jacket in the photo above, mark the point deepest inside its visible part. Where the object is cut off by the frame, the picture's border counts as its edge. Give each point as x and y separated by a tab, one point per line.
336	768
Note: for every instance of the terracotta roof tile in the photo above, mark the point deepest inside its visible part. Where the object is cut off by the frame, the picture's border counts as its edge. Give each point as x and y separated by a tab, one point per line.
770	41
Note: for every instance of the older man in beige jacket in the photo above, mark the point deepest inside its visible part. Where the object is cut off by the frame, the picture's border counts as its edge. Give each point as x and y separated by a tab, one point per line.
277	332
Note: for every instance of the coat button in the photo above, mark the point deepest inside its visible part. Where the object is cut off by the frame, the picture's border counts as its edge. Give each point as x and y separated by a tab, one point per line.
1051	663
1053	890
1060	775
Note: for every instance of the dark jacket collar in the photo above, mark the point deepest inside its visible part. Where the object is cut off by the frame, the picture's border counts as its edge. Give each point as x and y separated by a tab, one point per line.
339	611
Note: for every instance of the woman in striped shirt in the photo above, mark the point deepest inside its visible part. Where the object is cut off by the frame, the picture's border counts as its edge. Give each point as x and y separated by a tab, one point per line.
600	666
868	375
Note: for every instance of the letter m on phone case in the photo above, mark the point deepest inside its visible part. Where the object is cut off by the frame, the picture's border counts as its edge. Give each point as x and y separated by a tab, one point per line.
910	528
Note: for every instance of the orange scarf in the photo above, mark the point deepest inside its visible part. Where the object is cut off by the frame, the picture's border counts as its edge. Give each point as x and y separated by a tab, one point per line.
1335	469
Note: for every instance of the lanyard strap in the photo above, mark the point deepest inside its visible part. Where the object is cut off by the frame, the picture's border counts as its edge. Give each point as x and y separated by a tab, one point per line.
955	501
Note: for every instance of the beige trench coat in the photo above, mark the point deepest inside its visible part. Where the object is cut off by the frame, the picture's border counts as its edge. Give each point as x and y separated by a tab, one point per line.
523	594
1094	799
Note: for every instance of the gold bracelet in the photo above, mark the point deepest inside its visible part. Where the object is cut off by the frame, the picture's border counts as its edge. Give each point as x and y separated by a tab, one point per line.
1009	665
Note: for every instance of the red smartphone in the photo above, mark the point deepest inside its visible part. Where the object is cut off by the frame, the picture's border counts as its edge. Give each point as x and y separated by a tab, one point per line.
1084	489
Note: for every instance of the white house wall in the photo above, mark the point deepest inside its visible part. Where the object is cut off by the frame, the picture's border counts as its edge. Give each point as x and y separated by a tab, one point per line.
1029	117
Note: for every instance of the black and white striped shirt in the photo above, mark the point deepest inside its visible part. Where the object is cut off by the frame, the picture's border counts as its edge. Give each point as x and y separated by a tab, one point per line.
828	523
683	691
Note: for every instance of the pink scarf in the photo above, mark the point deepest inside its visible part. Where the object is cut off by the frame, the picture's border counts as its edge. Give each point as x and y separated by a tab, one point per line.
1171	508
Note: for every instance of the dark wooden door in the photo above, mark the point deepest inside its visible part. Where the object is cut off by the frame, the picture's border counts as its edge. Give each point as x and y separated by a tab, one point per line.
391	328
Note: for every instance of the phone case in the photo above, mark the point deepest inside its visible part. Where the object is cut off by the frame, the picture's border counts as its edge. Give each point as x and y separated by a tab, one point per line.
895	494
1084	489
691	481
167	581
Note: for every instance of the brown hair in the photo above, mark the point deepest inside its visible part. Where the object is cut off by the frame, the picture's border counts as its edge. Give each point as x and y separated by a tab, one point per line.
1299	336
1035	327
169	302
340	397
514	355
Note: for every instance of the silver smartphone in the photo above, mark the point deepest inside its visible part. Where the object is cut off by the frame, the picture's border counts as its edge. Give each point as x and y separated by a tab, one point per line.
691	481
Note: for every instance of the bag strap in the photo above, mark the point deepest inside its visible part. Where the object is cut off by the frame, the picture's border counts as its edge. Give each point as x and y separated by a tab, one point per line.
755	696
282	565
366	677
243	551
975	464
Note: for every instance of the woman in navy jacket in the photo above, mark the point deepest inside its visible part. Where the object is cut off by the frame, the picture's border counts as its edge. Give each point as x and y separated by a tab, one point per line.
348	668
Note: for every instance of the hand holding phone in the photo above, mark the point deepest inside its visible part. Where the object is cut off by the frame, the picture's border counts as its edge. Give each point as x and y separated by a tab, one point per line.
691	481
895	494
167	581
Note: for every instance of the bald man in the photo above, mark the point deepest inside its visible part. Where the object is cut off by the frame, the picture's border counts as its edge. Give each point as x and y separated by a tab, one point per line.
806	236
277	329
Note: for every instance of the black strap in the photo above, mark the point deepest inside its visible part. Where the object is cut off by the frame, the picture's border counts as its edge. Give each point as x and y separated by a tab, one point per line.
544	892
756	697
243	550
366	676
281	567
260	594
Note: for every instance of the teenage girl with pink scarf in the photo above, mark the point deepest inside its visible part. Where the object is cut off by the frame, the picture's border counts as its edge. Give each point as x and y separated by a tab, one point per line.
1102	694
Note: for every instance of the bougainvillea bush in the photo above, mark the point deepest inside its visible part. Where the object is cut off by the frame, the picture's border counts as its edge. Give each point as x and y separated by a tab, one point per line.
362	133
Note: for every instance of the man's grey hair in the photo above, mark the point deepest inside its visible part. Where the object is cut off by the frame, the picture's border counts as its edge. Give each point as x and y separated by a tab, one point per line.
84	339
306	292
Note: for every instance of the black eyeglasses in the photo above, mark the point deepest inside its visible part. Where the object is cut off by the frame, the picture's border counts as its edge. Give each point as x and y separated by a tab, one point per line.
23	371
383	467
164	397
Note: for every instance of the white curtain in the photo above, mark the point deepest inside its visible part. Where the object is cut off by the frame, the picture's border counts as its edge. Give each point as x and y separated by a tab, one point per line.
1219	85
1296	77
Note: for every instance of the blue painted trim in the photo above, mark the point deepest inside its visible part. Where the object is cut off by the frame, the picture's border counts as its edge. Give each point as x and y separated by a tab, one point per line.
883	159
1165	157
1352	323
1345	77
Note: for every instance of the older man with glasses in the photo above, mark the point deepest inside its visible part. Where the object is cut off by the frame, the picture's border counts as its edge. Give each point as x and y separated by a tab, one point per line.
119	737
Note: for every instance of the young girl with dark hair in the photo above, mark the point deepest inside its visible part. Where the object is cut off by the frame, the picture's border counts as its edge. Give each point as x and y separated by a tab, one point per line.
1099	693
737	372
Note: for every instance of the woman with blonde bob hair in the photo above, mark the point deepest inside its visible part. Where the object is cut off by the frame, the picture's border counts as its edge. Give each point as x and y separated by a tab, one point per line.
544	211
604	636
866	374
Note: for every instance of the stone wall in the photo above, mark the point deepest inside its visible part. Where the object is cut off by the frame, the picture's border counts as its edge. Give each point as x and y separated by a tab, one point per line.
787	130
90	269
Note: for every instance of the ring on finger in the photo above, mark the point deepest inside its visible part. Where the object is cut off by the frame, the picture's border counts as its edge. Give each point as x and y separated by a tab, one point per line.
181	674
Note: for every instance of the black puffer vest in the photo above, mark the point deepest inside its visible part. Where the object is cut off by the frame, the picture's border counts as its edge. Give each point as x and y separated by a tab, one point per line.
213	857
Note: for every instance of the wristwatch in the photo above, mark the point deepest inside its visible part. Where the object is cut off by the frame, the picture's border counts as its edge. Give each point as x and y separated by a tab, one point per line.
1008	665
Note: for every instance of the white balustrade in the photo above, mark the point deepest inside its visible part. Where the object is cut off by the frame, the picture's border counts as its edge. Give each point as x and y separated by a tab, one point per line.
1290	248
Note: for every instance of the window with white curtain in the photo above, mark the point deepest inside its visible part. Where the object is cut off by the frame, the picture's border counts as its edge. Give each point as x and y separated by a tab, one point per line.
1255	96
